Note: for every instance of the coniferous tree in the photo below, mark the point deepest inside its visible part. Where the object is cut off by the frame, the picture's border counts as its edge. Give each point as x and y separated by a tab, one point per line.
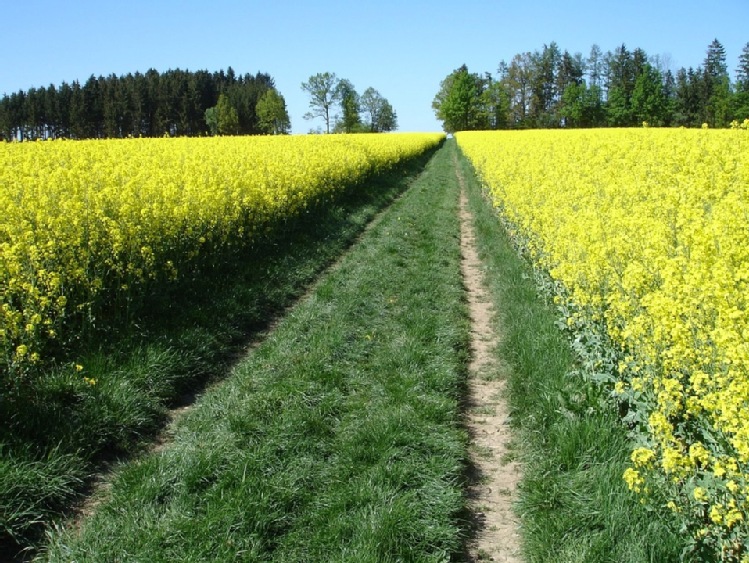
150	104
688	98
716	86
741	95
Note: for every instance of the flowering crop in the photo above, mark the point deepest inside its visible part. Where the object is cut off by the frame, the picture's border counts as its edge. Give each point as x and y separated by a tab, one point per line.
645	233
89	223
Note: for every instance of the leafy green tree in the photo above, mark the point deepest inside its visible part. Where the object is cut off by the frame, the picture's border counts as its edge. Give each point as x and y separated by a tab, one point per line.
272	113
544	85
211	120
350	107
649	103
371	105
324	94
244	92
620	82
496	103
379	114
226	116
582	106
569	71
517	82
458	103
388	120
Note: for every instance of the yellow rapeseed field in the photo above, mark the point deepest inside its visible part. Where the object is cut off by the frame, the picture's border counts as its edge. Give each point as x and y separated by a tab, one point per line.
646	234
85	221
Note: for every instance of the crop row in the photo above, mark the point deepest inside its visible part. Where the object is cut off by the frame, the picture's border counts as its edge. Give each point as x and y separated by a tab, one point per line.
645	236
90	225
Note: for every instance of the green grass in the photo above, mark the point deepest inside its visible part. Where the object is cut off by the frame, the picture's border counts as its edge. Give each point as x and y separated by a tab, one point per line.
574	505
56	433
339	438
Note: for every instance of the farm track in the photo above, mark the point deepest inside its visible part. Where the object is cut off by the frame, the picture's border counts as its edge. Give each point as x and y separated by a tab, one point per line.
493	488
492	478
101	485
353	450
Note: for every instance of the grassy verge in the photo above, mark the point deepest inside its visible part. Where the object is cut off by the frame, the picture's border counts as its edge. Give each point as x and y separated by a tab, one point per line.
338	438
54	434
573	502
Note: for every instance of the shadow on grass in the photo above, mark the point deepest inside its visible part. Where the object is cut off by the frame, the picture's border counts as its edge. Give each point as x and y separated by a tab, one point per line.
57	434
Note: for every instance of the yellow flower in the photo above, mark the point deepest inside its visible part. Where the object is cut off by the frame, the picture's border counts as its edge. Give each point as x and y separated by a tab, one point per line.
633	479
638	227
733	517
642	456
700	494
110	217
698	454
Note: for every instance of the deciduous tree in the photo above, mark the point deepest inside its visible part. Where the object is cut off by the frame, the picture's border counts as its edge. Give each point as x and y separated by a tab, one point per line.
458	102
272	113
324	94
378	112
350	107
649	103
226	116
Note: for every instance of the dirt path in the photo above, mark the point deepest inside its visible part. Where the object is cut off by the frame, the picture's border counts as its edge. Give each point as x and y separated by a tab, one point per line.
495	478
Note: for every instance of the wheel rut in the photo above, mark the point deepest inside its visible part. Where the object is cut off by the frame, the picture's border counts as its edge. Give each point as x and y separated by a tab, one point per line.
495	474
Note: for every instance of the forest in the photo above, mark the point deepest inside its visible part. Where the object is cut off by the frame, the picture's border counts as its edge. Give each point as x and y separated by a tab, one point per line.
154	104
552	88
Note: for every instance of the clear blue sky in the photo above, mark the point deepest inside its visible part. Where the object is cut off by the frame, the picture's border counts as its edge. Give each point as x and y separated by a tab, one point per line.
402	48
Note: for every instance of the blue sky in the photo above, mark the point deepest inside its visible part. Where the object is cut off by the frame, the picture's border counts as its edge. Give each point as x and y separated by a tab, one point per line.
401	48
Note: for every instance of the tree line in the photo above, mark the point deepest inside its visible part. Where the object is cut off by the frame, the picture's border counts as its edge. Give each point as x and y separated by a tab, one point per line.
175	102
337	102
619	88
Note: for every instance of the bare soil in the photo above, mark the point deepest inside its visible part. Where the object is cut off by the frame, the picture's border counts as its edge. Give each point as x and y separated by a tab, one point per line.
495	474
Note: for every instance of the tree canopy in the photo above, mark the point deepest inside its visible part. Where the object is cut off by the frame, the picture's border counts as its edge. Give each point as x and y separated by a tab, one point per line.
140	105
368	112
272	113
324	94
551	87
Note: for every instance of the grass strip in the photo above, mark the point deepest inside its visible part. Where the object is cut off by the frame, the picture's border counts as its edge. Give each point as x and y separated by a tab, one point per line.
574	505
339	438
62	429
